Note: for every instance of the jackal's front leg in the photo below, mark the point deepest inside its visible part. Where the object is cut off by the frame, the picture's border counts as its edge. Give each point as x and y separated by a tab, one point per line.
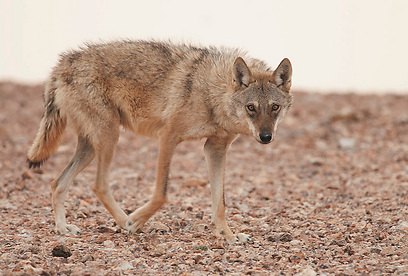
215	150
139	217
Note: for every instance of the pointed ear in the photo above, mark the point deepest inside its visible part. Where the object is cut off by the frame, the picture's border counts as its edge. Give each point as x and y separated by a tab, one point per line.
241	73
282	76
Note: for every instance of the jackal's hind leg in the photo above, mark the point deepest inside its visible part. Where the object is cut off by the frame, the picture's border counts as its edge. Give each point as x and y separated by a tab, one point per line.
138	218
82	157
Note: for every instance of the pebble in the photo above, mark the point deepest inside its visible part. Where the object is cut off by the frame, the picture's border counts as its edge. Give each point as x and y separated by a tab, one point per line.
28	174
375	250
160	250
125	265
243	237
307	272
61	251
403	225
109	244
198	259
295	243
237	217
86	258
286	237
347	143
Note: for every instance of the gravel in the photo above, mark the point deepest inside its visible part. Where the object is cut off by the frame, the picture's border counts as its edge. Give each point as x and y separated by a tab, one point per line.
328	197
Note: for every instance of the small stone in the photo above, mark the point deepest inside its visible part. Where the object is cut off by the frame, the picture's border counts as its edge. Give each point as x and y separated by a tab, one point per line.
339	243
243	237
198	258
347	143
27	268
286	237
125	265
81	215
295	259
403	225
237	217
349	250
201	247
160	250
196	182
293	177
272	238
109	244
38	171
295	243
86	258
307	272
34	250
61	251
28	175
103	229
317	162
375	250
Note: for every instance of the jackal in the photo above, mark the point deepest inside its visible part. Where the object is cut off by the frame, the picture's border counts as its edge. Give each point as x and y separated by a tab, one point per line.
173	92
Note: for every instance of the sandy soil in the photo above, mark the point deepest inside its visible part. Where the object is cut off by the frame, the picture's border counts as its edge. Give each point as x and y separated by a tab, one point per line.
329	197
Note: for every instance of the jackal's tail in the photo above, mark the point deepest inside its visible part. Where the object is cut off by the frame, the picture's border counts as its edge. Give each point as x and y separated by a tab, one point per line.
49	135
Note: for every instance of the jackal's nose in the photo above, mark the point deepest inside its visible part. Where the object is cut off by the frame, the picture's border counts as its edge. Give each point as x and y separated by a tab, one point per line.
265	137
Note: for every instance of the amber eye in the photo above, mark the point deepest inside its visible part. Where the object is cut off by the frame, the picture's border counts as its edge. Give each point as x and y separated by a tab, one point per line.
251	107
275	107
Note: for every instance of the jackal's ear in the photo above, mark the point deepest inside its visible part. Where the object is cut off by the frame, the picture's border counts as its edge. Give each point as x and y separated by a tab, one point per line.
241	73
282	76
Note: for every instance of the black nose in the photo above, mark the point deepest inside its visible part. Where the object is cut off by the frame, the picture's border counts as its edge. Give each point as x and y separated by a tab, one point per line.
265	137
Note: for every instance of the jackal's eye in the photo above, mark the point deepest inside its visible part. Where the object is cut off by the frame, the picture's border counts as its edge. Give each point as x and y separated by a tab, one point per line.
250	107
275	107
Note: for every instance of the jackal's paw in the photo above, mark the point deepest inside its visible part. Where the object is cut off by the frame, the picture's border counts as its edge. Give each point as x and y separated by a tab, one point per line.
68	229
230	237
241	237
136	221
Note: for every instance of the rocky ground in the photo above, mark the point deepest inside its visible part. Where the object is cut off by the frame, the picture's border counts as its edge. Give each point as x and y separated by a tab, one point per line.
329	197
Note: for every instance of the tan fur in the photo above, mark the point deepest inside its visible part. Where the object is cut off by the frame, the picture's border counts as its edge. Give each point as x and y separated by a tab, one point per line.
51	128
161	90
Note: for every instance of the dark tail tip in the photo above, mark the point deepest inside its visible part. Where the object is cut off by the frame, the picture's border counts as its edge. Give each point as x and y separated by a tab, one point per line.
34	164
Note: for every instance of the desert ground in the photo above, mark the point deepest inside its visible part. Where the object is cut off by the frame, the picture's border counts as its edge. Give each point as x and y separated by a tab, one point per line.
328	197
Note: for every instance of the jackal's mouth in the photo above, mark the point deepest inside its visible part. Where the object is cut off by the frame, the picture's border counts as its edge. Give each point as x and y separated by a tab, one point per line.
264	143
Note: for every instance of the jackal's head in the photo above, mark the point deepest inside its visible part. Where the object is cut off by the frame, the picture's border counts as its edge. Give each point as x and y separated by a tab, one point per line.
261	99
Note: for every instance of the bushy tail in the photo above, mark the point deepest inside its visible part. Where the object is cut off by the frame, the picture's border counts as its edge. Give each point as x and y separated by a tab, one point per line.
49	135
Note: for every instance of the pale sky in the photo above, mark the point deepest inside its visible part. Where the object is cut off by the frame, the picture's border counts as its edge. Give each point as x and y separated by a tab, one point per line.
334	46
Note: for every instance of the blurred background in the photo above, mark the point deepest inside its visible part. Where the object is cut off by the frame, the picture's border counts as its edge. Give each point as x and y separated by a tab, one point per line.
335	46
